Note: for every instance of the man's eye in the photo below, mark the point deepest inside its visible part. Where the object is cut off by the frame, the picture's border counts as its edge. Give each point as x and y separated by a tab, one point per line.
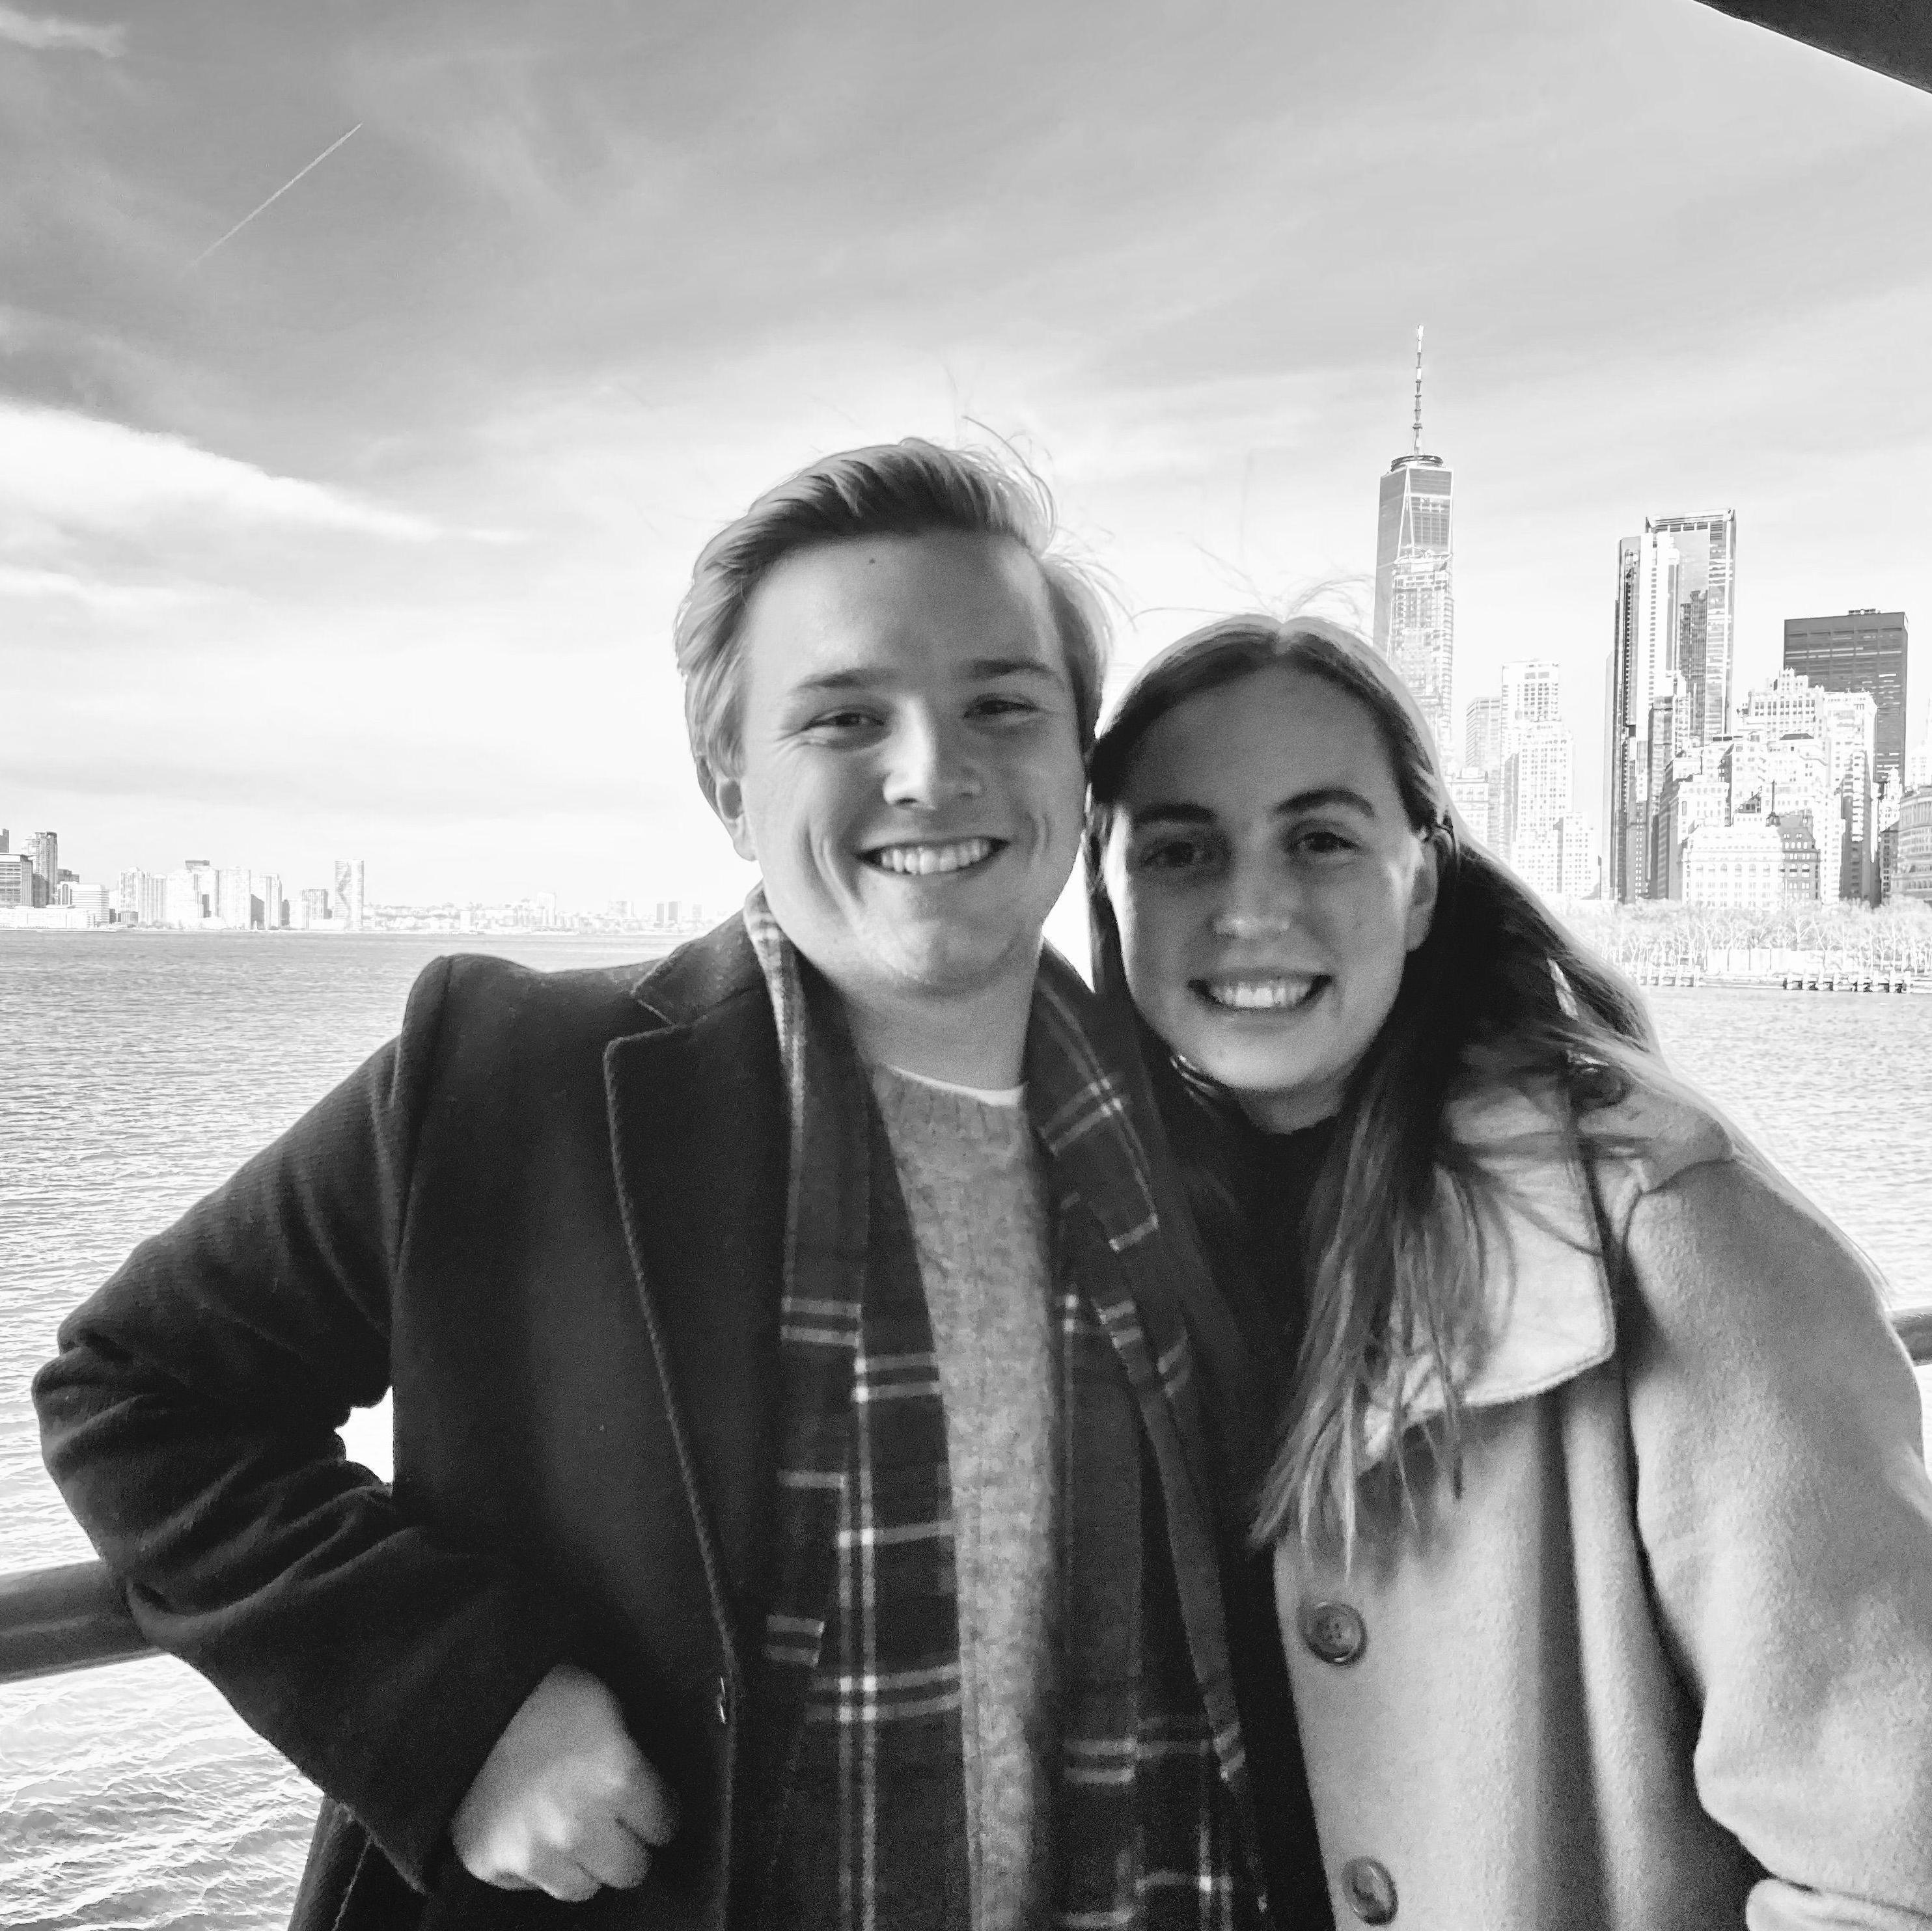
841	721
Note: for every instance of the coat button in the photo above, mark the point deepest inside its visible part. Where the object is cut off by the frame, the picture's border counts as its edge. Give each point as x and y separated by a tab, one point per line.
1334	1632
1369	1889
723	1703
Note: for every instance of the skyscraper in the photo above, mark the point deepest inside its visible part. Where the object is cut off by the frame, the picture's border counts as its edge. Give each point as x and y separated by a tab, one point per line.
1670	672
1863	650
44	847
1415	608
345	901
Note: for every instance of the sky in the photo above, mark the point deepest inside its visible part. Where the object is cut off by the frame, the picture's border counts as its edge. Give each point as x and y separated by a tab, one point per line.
358	530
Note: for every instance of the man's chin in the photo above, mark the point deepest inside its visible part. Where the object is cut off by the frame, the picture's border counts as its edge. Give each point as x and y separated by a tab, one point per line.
942	966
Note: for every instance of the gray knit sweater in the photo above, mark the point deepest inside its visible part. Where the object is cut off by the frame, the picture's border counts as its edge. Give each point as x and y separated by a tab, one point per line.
969	1174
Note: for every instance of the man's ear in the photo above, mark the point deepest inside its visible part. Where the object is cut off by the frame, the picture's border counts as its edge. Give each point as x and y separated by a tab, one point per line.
1423	893
726	795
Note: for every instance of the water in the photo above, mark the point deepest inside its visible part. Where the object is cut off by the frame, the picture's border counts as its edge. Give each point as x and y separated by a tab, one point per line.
138	1070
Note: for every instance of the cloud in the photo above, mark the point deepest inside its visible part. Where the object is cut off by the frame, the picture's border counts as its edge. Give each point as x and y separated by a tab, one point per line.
46	34
62	586
78	473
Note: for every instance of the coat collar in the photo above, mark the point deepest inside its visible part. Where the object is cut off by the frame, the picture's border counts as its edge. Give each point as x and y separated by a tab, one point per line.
1551	1316
689	982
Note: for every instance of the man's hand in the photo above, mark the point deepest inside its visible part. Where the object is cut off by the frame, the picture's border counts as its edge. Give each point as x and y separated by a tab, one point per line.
564	1802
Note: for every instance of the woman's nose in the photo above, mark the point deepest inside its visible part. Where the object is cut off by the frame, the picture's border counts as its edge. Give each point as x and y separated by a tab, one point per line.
1257	905
929	764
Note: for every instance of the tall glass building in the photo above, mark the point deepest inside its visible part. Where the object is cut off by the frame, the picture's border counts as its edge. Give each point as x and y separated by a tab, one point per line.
1862	650
1670	671
1415	605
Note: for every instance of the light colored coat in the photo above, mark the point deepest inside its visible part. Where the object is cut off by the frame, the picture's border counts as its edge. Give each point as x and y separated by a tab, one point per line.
1667	1663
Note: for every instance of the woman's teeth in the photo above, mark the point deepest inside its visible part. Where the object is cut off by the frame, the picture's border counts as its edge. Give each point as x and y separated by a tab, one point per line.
922	861
1281	994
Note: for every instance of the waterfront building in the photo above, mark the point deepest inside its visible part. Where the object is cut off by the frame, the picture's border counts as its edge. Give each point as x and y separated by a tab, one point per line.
315	907
1485	734
1797	868
1697	791
1796	777
1469	793
347	906
45	846
1532	693
1738	867
1911	881
141	898
184	903
1537	798
234	898
17	881
1861	650
205	883
1414	625
1669	673
1577	875
1785	707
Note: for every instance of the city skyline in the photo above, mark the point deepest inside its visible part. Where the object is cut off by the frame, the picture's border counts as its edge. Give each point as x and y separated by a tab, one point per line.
365	531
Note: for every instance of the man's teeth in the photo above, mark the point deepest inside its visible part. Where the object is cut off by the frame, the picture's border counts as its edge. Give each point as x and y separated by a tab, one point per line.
921	861
1260	995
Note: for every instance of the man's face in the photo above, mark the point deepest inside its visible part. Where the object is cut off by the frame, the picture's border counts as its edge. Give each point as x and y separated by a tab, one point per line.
910	780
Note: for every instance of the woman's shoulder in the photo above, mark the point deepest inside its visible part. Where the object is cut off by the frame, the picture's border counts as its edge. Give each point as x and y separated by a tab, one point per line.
1655	1129
1704	1223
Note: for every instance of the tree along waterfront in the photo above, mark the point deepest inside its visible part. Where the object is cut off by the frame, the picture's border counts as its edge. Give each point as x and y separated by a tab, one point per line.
1847	939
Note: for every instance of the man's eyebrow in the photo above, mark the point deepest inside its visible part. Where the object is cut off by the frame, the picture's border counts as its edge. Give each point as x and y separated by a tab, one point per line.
1009	667
861	677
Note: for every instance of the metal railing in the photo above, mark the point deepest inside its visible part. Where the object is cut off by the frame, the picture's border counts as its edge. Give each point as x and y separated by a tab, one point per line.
77	1617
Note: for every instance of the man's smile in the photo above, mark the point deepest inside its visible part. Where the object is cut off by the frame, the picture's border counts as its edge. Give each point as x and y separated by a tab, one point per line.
925	858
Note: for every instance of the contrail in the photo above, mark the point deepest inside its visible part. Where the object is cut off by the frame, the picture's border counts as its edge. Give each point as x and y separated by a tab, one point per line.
271	200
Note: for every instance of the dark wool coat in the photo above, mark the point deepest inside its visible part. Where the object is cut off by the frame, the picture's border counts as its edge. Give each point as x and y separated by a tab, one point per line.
550	1214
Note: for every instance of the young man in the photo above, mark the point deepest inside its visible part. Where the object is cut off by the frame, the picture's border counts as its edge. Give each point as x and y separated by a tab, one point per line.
800	1514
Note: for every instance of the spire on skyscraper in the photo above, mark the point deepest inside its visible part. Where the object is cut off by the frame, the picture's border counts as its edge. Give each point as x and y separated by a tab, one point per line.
1416	449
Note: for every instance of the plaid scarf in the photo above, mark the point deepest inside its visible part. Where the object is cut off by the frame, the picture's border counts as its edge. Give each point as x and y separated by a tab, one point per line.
856	1750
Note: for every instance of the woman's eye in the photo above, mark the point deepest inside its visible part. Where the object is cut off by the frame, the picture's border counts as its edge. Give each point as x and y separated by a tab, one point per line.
1170	855
1004	707
1319	842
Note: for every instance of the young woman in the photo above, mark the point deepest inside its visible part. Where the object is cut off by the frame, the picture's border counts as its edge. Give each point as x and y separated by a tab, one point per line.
1602	1537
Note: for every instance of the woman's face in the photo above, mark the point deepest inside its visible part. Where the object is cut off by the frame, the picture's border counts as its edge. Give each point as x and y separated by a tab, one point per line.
1269	889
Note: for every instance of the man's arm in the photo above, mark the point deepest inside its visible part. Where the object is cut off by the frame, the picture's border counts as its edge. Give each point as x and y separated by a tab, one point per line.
190	1420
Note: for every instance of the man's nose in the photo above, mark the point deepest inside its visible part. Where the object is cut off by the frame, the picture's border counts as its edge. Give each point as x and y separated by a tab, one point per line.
931	762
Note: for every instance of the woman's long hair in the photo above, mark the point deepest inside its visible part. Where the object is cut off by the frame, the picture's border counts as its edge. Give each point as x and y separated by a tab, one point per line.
1497	994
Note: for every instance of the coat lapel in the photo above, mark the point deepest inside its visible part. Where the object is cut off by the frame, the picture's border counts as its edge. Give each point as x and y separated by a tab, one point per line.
697	1115
1551	1316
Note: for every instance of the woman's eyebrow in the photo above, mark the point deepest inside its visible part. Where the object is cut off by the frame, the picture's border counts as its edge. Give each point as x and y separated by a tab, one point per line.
1172	814
1324	796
